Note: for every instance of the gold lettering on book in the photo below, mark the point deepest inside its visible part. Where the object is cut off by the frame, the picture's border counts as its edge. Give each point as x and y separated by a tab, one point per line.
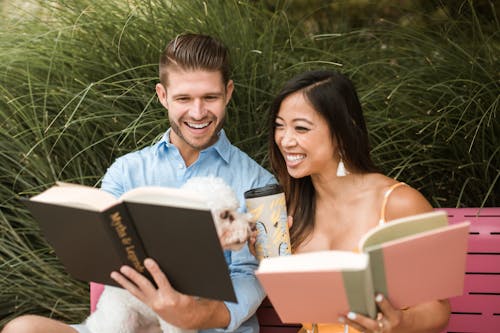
121	231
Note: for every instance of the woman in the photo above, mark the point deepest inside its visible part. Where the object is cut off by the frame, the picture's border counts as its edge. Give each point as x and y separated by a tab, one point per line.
320	153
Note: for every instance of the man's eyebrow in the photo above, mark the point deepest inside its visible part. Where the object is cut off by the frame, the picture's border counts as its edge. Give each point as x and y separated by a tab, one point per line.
205	94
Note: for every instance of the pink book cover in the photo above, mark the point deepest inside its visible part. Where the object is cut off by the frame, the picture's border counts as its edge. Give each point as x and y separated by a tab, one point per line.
306	296
422	267
318	286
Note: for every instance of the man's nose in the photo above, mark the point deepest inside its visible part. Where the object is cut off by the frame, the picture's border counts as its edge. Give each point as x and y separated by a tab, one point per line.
198	110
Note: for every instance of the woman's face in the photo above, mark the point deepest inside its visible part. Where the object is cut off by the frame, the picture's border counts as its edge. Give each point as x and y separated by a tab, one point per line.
304	138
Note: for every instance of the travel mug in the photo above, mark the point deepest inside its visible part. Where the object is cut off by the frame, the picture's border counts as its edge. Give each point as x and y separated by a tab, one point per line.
268	208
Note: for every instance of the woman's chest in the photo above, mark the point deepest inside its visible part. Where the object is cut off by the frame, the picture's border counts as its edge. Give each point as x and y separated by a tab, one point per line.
341	228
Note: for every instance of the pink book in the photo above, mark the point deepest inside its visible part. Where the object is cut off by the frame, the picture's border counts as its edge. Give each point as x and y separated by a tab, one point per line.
317	286
410	260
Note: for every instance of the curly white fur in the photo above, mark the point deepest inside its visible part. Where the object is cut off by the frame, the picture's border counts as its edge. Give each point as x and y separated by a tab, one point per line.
119	312
233	227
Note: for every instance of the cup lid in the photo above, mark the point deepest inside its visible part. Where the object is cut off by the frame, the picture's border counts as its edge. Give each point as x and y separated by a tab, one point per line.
263	191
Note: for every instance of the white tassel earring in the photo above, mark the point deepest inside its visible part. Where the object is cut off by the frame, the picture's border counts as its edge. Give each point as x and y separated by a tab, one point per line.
341	170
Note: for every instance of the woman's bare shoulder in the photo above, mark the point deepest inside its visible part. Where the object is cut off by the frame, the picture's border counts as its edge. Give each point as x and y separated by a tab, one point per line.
406	201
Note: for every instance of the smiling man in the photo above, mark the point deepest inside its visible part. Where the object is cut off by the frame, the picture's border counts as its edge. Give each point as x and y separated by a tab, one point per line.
195	89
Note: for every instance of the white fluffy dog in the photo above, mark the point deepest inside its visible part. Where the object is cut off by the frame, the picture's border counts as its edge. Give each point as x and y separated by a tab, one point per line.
118	311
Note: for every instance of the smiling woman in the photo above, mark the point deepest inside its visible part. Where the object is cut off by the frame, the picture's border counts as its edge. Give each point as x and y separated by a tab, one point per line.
317	128
298	129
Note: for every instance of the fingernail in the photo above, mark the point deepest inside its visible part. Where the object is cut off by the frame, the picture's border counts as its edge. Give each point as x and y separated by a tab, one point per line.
148	263
351	315
341	320
379	298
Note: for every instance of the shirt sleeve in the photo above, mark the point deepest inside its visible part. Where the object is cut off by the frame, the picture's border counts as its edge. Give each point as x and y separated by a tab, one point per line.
112	181
249	292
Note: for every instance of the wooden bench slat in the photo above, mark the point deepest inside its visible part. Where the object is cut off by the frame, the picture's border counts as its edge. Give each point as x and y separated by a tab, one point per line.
473	323
279	329
268	317
483	263
467	213
471	303
481	244
482	283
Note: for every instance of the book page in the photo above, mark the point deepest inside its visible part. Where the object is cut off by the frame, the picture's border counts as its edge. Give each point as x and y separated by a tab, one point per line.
165	196
318	261
79	196
403	227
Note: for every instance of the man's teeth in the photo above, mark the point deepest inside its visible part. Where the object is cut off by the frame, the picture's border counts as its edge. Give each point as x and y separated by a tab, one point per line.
295	157
196	125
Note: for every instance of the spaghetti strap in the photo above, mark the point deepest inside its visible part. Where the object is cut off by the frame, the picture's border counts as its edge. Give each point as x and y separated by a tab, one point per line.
386	198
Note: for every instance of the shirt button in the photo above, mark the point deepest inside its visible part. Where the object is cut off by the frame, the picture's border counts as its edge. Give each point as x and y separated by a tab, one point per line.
181	166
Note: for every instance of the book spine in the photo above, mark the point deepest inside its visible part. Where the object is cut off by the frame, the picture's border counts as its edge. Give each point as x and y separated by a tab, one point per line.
378	270
360	292
129	243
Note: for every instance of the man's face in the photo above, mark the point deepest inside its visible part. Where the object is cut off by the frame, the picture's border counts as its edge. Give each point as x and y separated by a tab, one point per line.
196	102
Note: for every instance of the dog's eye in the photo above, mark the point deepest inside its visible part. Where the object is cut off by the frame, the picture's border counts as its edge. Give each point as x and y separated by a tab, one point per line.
224	215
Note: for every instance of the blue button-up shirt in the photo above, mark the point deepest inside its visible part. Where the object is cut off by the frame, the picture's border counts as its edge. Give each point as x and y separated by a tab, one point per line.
161	164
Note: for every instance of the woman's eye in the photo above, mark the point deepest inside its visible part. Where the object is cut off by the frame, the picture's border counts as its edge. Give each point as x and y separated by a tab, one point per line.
301	129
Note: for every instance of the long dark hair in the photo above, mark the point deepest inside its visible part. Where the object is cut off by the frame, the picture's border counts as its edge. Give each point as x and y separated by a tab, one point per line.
334	97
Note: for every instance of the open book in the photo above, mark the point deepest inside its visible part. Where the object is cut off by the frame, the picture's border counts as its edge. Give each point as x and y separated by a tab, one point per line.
93	234
410	260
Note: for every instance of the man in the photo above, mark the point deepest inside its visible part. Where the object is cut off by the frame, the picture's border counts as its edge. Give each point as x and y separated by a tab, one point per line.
195	89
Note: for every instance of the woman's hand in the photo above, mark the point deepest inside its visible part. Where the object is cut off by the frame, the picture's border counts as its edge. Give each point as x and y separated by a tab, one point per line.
251	243
388	320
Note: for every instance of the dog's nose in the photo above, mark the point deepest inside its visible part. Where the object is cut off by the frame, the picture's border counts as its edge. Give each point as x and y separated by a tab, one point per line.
252	225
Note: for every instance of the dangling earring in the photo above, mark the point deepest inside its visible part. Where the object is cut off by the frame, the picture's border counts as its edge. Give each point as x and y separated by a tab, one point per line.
341	170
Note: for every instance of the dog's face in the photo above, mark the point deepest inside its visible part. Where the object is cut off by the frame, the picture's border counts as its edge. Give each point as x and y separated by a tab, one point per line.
233	228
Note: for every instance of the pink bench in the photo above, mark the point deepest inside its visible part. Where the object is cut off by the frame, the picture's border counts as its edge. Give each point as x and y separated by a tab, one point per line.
477	310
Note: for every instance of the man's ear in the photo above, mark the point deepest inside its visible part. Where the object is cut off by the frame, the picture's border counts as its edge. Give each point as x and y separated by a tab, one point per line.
229	90
161	92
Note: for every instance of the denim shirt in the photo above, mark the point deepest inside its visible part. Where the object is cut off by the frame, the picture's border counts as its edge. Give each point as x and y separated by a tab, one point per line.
162	165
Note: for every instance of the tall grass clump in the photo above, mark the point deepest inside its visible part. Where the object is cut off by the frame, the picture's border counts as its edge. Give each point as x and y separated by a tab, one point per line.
77	90
432	102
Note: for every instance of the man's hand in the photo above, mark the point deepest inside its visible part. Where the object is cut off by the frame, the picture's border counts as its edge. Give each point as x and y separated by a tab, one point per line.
175	308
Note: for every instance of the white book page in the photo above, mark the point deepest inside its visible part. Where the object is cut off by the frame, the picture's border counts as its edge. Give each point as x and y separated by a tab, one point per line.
165	196
317	261
78	196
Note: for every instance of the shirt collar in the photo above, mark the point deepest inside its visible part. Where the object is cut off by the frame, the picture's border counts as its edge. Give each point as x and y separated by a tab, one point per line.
221	146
